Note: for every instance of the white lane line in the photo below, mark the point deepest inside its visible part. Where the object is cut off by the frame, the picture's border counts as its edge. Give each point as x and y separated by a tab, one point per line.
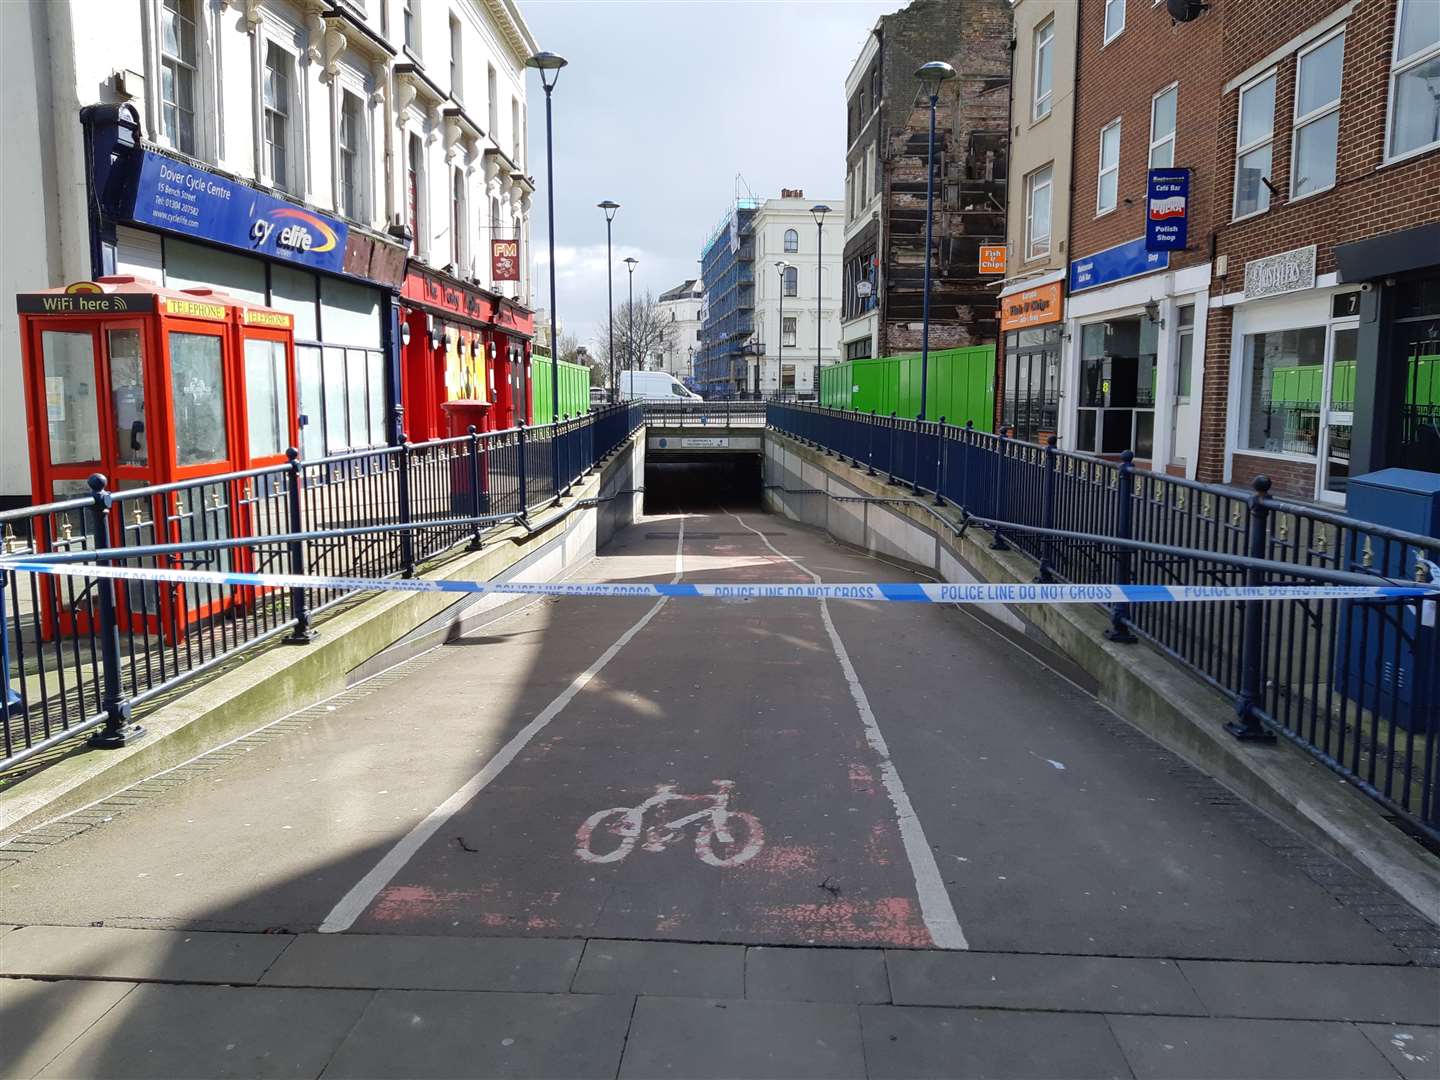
354	902
935	906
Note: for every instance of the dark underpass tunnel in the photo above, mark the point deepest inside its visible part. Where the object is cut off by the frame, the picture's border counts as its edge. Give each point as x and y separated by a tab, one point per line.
702	481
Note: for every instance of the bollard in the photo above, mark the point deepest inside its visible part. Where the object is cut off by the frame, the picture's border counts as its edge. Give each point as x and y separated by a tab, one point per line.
407	538
520	460
118	730
997	543
298	604
1246	726
1047	510
1124	490
476	507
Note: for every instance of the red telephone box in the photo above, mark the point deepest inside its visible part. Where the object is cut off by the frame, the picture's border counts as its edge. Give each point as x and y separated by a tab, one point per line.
152	386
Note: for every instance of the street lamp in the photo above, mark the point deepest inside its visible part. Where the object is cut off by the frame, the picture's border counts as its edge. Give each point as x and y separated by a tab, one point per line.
931	75
549	65
690	368
610	208
819	211
631	263
780	267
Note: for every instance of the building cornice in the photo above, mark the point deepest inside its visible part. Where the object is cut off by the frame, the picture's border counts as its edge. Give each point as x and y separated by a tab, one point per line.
516	31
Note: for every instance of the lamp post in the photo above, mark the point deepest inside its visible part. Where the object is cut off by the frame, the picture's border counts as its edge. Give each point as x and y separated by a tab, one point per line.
610	207
690	368
780	267
549	65
931	75
819	211
631	263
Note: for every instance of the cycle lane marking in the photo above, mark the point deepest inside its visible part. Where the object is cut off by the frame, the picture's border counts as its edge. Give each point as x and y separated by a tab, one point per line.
353	904
936	909
659	836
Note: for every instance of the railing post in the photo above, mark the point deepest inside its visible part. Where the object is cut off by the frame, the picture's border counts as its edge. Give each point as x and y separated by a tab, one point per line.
915	456
870	458
1246	726
476	508
997	542
890	465
520	460
939	461
967	443
298	602
1124	492
118	730
1047	509
407	538
11	703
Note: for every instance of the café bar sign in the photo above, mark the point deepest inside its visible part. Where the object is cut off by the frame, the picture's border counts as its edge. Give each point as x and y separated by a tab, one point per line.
1276	275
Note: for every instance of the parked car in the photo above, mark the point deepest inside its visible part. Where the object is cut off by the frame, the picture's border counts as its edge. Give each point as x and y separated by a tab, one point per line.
654	386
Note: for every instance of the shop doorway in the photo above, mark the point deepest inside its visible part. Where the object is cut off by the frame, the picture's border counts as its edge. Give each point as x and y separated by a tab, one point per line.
1417	345
1337	414
1117	387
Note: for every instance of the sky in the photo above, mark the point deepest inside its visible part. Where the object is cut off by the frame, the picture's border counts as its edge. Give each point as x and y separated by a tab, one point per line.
672	108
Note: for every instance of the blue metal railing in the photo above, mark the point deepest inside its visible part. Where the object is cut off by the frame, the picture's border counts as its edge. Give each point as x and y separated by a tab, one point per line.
79	653
1357	684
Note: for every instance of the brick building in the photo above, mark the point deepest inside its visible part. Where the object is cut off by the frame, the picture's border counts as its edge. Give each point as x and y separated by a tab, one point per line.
887	138
1323	342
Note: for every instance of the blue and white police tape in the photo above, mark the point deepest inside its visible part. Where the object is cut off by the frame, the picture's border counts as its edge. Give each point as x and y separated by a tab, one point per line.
953	592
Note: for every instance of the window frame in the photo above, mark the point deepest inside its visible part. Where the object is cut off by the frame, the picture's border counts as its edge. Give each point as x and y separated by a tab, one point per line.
789	336
791	242
1398	66
293	106
457	61
196	89
1299	122
1105	36
1173	137
458	220
1036	115
1101	211
1241	149
1031	186
359	152
790	283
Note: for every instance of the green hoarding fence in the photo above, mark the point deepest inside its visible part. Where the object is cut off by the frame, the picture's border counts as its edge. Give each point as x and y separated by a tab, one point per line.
574	389
962	386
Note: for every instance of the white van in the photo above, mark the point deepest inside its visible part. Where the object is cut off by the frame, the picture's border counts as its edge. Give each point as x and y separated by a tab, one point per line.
654	386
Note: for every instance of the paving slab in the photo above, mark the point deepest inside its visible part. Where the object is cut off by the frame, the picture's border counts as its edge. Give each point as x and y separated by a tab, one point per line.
661	967
700	1039
954	1044
1205	1048
213	1031
856	976
425	1033
43	1018
1020	981
394	962
1414	1050
1403	995
109	952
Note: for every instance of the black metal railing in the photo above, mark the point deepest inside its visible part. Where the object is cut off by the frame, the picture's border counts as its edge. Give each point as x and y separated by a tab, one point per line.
1357	683
706	413
78	653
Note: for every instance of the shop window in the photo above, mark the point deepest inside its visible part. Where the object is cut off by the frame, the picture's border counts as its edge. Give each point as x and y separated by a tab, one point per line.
375	390
1414	115
787	332
792	243
357	392
1254	145
1284	381
267	397
1117	387
1108	188
1031	404
1162	128
70	398
353	160
337	416
127	396
1317	117
1114	20
350	313
1038	188
858	350
311	381
277	107
190	266
297	292
179	74
1417	340
1044	59
198	387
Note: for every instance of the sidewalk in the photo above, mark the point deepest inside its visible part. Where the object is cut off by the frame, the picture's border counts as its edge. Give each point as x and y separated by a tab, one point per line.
155	1003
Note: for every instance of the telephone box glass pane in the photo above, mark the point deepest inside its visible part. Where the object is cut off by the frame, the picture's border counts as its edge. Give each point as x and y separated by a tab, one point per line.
198	384
127	394
267	401
70	405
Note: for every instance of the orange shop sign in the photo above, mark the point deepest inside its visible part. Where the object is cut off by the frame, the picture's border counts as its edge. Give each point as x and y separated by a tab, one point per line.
1031	307
992	258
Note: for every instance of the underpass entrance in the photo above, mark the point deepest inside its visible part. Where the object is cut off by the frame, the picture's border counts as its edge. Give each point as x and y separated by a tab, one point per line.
676	483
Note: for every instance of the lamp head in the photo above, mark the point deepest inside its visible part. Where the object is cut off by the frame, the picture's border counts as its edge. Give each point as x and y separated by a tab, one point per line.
609	206
934	73
781	266
632	262
820	210
549	65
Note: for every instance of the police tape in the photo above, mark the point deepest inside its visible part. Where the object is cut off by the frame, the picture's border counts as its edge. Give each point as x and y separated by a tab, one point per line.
952	592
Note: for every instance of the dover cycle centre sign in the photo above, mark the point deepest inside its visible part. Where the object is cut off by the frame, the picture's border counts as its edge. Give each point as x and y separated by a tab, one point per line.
182	198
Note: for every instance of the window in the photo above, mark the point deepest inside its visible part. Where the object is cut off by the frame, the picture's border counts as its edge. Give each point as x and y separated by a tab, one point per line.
1114	19
457	223
267	397
1044	65
515	131
412	40
311	384
1252	154
1185	351
787	332
792	242
1037	213
276	106
1108	188
414	176
792	281
1117	387
457	69
494	102
1284	379
1162	128
178	74
1317	117
198	389
352	156
1414	121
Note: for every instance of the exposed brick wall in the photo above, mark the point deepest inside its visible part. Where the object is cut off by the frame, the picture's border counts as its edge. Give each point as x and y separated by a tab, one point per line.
1120	80
1210	466
1288	479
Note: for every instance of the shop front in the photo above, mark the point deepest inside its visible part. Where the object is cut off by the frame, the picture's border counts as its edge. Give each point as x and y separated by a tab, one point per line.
1132	369
1031	314
465	357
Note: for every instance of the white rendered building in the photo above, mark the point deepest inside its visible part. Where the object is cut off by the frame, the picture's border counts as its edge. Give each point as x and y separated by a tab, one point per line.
681	308
786	353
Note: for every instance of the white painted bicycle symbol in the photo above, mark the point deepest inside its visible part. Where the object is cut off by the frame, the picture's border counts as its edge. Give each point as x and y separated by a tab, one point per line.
725	838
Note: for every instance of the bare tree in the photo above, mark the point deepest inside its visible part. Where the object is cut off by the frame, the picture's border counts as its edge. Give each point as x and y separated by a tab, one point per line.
641	335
